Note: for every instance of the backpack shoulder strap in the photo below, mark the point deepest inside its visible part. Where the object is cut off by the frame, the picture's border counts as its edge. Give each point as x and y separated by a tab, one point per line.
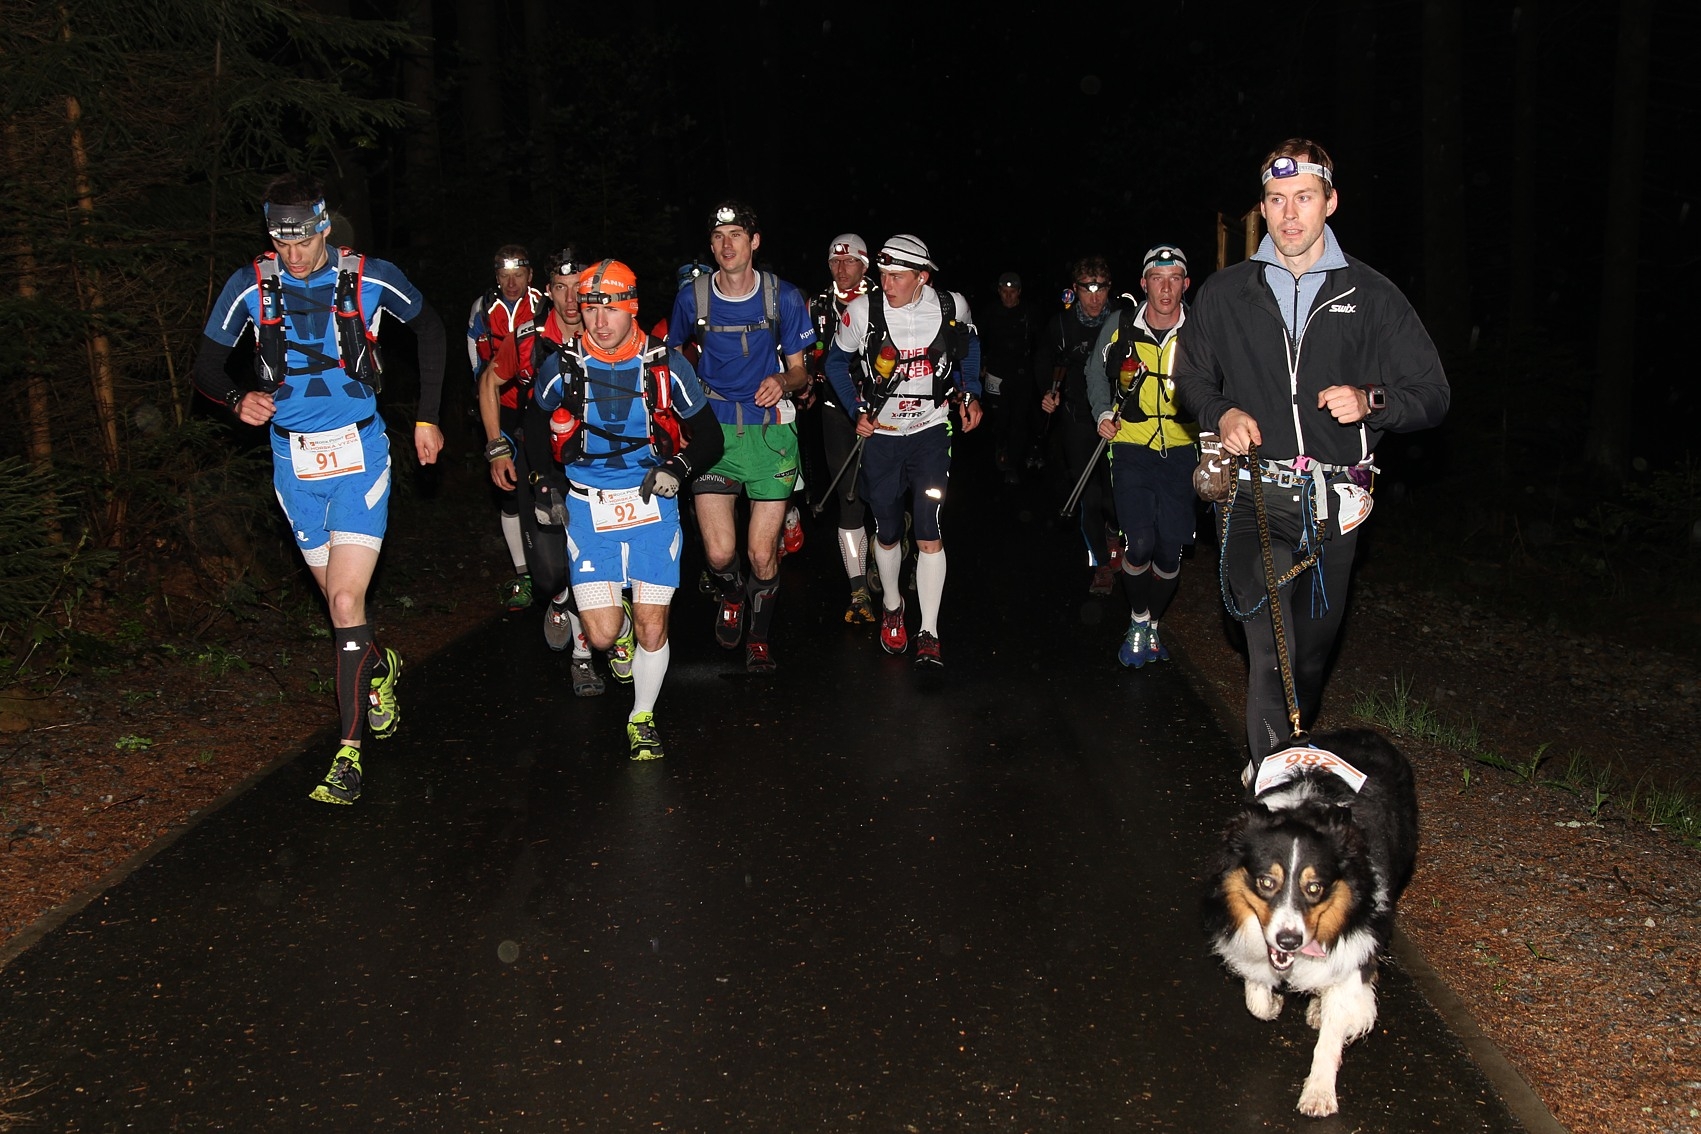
658	377
700	294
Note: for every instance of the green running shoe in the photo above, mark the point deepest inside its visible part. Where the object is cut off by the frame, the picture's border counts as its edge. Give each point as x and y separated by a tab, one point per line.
625	647
342	782
384	710
645	740
517	592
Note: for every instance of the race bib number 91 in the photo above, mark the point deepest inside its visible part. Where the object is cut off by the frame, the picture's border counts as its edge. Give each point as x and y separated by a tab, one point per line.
330	453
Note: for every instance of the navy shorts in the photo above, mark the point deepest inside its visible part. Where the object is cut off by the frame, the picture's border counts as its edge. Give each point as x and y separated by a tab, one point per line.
896	468
1155	502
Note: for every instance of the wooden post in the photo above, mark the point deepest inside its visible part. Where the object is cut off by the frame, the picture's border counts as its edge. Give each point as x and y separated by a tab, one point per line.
1222	242
1252	233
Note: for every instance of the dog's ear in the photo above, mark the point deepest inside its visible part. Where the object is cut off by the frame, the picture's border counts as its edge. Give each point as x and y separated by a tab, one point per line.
1337	823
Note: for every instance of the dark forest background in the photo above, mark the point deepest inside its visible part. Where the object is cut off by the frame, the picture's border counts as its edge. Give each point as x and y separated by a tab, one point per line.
1524	172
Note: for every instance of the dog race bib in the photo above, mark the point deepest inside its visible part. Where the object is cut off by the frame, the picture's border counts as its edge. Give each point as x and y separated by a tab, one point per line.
327	454
616	509
1280	767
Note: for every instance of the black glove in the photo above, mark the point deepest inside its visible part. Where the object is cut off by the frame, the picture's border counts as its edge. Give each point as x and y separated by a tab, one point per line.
663	480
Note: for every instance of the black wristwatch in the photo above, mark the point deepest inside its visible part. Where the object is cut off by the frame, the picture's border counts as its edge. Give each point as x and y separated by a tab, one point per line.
1377	397
234	399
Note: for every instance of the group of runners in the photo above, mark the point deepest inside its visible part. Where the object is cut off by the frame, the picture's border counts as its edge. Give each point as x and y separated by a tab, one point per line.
596	430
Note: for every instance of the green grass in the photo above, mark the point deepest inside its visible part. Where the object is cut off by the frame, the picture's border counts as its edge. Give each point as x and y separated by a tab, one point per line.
1674	811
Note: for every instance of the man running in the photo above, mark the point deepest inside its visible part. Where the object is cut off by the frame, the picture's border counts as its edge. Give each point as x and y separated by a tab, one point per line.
500	327
918	358
847	263
1309	355
1153	447
631	425
313	309
752	328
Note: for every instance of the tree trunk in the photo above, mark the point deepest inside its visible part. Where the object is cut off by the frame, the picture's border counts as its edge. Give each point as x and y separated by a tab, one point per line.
1445	273
1607	446
37	404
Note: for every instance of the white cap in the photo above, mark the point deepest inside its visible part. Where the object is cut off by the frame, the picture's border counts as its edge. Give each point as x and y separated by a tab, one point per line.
906	253
848	244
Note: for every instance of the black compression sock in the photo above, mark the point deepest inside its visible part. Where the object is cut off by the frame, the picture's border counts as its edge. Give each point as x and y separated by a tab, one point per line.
761	595
356	658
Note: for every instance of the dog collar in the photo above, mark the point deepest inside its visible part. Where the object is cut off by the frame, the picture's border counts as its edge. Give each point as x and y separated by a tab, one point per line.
1280	767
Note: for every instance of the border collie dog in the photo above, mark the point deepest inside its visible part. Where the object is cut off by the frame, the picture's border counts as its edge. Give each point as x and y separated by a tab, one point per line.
1302	893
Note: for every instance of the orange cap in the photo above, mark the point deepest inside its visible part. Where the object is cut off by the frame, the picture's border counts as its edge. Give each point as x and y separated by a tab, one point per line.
611	283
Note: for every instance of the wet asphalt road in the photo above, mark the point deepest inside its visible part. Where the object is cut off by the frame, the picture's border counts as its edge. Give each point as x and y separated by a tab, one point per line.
848	900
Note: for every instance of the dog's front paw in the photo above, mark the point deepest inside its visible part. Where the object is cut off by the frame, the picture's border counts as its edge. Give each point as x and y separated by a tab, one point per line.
1318	1099
1314	1012
1262	1001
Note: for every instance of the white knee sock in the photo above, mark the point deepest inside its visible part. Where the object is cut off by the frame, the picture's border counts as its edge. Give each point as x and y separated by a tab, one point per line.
890	560
647	672
516	543
930	587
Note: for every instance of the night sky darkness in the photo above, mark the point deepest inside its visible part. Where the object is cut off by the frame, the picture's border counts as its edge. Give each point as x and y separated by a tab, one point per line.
1022	141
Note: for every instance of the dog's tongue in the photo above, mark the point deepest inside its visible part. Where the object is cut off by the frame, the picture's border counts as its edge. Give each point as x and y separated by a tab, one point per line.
1313	949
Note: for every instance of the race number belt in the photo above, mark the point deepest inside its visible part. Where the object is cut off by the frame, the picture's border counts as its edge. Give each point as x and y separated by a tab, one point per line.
328	453
616	509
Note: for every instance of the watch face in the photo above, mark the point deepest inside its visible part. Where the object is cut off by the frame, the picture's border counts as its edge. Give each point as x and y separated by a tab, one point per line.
1377	397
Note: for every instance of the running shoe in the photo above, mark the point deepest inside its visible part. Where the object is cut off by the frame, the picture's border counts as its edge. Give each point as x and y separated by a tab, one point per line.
1135	649
1154	646
874	585
729	623
1104	579
625	647
757	659
342	783
894	639
792	538
383	708
587	682
642	735
927	654
558	626
860	612
517	592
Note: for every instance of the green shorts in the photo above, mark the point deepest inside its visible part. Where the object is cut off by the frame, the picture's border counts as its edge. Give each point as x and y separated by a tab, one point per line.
762	463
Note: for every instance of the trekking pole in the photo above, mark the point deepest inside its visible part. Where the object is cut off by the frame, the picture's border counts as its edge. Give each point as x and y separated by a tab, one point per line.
1092	462
1080	485
855	455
